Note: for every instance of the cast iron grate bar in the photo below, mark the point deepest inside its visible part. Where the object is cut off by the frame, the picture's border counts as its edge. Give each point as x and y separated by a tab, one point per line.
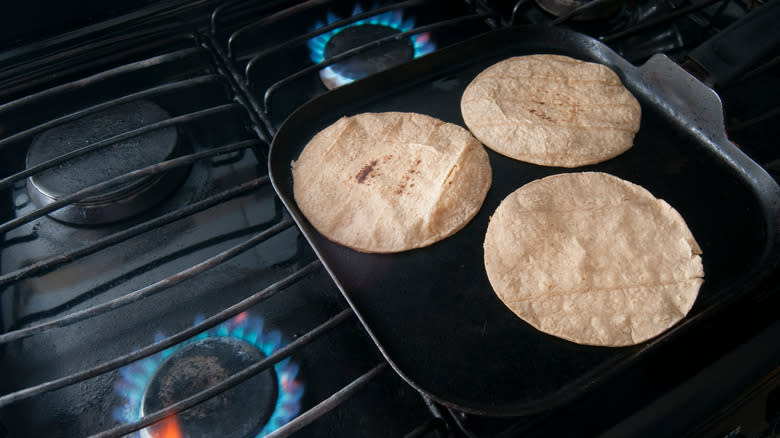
271	19
146	171
302	39
149	92
92	292
360	49
515	10
424	429
328	404
124	69
32	78
759	69
649	24
52	262
121	361
770	114
184	118
236	379
152	289
55	261
576	11
227	5
440	418
240	89
40	61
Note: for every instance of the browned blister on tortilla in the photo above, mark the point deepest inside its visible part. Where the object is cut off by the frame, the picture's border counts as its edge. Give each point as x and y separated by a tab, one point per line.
390	182
592	258
551	110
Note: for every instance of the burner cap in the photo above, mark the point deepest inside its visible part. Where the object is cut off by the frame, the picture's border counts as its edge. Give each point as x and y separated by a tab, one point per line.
238	412
604	9
121	200
369	62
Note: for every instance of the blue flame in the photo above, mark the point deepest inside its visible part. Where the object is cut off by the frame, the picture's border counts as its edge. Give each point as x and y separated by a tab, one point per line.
136	376
422	42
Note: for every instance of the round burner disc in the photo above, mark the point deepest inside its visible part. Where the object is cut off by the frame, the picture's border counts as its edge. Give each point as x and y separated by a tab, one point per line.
603	10
121	200
238	412
366	63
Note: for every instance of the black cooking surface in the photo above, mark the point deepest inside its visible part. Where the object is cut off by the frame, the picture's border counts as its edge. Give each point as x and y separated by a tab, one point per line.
432	310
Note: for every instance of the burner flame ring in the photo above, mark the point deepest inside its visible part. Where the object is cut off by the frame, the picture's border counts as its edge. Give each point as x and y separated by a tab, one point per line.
135	378
339	74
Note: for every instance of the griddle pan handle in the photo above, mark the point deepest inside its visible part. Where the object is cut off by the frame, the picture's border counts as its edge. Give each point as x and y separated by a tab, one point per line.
738	47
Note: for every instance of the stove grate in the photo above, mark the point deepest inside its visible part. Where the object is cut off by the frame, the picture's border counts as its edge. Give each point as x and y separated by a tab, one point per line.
155	169
201	79
267	95
265	69
247	373
53	262
253	58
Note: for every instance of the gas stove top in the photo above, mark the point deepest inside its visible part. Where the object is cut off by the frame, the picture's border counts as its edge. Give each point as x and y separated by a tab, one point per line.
153	284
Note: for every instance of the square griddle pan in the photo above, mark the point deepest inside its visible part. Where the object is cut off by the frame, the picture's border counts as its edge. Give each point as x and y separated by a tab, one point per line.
432	311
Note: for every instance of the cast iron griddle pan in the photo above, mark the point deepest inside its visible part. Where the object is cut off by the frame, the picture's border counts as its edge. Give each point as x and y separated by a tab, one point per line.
432	311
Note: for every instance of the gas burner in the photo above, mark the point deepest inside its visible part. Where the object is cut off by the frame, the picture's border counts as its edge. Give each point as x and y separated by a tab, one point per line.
369	62
599	10
362	32
121	200
195	367
255	408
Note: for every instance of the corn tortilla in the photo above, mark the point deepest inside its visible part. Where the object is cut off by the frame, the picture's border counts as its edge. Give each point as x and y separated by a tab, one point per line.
593	259
551	110
390	182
